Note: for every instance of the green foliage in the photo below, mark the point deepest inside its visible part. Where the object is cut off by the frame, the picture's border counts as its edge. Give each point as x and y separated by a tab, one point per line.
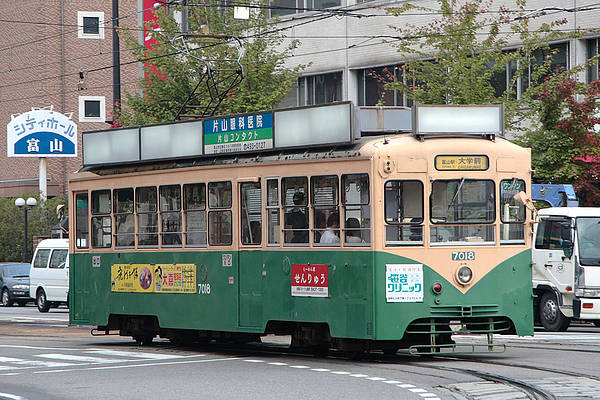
41	219
171	77
453	59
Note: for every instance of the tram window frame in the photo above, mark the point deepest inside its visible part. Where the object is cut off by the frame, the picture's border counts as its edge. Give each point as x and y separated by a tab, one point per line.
413	229
123	211
359	211
82	221
273	213
147	217
101	219
461	222
297	209
217	210
195	215
512	227
169	209
248	231
328	210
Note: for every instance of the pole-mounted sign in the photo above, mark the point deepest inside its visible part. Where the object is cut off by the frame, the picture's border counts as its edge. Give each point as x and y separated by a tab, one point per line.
41	133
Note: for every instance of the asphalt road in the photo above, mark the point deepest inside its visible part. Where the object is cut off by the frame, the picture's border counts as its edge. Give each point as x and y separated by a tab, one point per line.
41	357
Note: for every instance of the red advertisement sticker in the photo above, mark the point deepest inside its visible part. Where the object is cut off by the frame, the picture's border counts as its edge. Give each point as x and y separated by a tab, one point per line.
310	280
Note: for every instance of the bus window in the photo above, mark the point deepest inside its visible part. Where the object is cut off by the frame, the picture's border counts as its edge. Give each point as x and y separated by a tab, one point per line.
294	198
101	219
81	221
403	213
462	210
147	215
326	216
357	215
194	208
272	205
512	212
251	213
124	223
170	215
219	220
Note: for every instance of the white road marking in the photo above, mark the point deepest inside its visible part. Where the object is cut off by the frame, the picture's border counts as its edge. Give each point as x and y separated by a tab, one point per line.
11	346
72	357
299	366
340	372
277	363
417	390
426	395
406	386
392	382
254	361
147	356
359	375
320	369
9	359
11	396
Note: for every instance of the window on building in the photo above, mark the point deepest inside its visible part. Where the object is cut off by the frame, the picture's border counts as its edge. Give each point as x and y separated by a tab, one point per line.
147	215
170	214
592	51
403	213
251	213
219	215
81	221
92	109
357	215
287	7
90	25
512	212
124	218
294	198
326	216
371	86
101	219
272	206
194	209
320	89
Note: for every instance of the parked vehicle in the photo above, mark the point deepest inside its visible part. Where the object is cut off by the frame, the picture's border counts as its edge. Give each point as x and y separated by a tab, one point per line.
49	274
566	266
14	284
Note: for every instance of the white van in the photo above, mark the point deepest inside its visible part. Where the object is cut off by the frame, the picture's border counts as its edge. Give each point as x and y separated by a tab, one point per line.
49	274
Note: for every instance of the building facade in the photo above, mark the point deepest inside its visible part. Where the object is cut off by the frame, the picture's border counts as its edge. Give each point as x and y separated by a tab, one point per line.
59	53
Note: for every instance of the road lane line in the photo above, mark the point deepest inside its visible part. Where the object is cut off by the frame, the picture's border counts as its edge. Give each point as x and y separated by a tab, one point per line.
85	359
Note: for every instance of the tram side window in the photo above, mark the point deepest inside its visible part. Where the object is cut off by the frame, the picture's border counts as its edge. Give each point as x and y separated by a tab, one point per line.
147	215
81	221
251	213
194	208
170	215
101	219
219	215
551	234
326	216
272	206
462	210
357	215
403	213
294	198
512	212
124	218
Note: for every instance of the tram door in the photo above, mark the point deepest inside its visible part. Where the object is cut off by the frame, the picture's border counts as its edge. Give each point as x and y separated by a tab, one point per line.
250	256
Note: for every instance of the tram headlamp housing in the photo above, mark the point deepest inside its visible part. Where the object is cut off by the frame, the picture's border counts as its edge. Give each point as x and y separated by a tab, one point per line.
464	275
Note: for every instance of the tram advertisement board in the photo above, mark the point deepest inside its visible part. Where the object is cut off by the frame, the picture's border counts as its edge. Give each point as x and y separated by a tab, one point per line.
310	280
404	283
153	278
246	133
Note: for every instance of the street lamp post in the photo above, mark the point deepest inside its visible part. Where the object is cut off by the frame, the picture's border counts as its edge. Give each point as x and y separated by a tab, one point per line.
25	205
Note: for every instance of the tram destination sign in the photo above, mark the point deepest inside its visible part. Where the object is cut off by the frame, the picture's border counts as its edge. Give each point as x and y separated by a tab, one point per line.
461	163
239	134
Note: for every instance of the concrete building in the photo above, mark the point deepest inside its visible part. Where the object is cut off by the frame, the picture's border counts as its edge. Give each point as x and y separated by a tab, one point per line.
59	53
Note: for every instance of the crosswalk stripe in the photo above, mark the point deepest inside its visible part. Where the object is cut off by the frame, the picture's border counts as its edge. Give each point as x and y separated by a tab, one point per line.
120	353
70	357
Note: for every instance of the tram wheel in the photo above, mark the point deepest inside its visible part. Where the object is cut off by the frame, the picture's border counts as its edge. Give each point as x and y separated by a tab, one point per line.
143	340
597	323
551	317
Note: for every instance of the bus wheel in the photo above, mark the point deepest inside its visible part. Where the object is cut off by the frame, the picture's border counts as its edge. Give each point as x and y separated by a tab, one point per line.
551	317
41	301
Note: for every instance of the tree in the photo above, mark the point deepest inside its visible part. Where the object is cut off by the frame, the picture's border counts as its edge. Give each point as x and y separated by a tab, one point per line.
172	74
455	58
565	146
40	219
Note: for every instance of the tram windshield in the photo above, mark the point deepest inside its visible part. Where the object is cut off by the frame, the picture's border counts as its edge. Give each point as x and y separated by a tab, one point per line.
588	236
463	206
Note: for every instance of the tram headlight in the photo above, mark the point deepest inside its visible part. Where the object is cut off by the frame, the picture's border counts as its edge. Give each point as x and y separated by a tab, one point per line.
464	275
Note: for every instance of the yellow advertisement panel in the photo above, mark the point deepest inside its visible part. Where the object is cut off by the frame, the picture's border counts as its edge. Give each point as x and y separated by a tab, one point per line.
461	163
156	278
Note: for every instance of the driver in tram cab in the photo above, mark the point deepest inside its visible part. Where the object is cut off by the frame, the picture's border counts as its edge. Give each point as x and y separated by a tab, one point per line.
298	221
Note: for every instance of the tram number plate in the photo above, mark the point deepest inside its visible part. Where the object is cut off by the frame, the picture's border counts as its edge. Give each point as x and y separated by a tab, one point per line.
463	255
227	260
